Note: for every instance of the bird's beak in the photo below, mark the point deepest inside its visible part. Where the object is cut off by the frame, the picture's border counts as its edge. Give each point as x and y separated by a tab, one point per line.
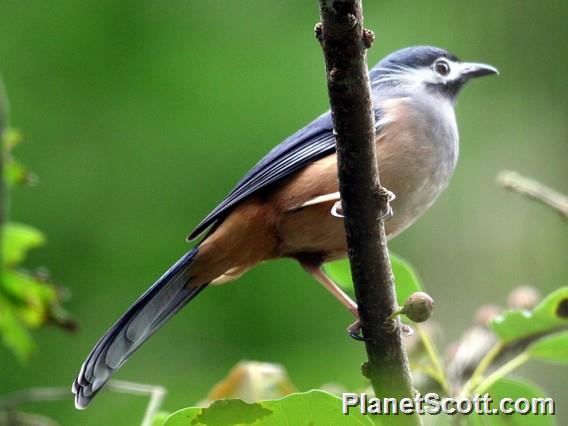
473	70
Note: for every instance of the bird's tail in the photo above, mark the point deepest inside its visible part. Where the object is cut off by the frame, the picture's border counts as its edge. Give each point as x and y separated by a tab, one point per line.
156	306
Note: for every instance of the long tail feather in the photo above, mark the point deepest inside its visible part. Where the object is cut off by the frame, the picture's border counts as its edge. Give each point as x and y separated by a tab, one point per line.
153	309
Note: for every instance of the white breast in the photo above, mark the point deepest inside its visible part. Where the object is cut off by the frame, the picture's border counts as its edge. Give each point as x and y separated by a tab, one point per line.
417	152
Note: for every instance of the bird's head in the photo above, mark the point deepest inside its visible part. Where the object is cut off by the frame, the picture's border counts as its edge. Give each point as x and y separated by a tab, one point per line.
426	68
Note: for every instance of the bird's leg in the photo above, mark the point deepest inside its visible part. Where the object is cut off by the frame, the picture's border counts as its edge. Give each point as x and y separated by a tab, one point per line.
337	208
315	271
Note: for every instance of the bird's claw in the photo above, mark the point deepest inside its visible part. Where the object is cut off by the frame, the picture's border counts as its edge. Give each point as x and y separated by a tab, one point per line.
387	214
407	330
337	208
354	331
390	196
390	325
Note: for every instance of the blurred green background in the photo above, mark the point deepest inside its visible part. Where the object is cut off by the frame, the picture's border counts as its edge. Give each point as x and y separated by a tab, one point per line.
139	116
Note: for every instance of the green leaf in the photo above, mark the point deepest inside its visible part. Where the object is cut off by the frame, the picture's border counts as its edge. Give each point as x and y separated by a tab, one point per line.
12	138
513	389
311	408
340	272
14	335
406	278
18	240
160	417
546	317
439	420
23	286
16	173
551	348
31	299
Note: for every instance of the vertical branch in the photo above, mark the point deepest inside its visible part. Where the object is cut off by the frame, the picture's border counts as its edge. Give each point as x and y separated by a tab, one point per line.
345	42
3	187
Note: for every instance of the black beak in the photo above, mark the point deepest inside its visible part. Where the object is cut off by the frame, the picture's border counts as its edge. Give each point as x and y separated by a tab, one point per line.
472	70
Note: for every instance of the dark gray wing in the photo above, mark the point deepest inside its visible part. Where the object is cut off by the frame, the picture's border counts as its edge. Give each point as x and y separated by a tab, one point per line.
312	142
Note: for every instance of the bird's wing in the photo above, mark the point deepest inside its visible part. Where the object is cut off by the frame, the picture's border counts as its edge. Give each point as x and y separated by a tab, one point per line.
325	198
314	141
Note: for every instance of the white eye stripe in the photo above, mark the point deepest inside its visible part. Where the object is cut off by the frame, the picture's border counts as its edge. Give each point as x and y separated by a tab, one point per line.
414	78
407	77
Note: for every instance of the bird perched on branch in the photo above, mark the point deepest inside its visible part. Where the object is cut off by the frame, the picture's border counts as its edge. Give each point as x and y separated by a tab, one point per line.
287	204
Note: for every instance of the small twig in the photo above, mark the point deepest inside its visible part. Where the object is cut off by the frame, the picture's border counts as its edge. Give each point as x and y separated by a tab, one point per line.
157	393
435	358
25	419
535	190
501	372
482	367
13	400
345	41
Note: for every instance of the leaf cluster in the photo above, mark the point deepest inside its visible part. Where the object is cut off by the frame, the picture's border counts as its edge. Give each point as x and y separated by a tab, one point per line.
516	336
28	299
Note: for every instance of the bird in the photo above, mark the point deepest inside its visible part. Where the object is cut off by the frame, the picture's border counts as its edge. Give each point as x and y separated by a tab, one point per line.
286	206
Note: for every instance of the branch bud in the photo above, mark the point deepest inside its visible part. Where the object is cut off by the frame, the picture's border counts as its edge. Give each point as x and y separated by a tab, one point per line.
524	297
418	307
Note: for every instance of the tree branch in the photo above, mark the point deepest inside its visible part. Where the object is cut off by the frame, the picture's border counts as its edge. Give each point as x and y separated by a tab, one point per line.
3	188
344	41
535	190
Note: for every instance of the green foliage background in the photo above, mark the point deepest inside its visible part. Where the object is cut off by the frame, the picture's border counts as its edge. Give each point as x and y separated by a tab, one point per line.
140	116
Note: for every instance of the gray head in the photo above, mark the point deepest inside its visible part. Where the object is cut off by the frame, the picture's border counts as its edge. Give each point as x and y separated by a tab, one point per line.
426	67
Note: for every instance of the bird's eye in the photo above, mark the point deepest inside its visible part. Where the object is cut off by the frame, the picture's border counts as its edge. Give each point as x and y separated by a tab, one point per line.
442	67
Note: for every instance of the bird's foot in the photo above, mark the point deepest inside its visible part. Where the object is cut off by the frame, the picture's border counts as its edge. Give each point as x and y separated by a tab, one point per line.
389	196
354	331
407	330
337	209
390	326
